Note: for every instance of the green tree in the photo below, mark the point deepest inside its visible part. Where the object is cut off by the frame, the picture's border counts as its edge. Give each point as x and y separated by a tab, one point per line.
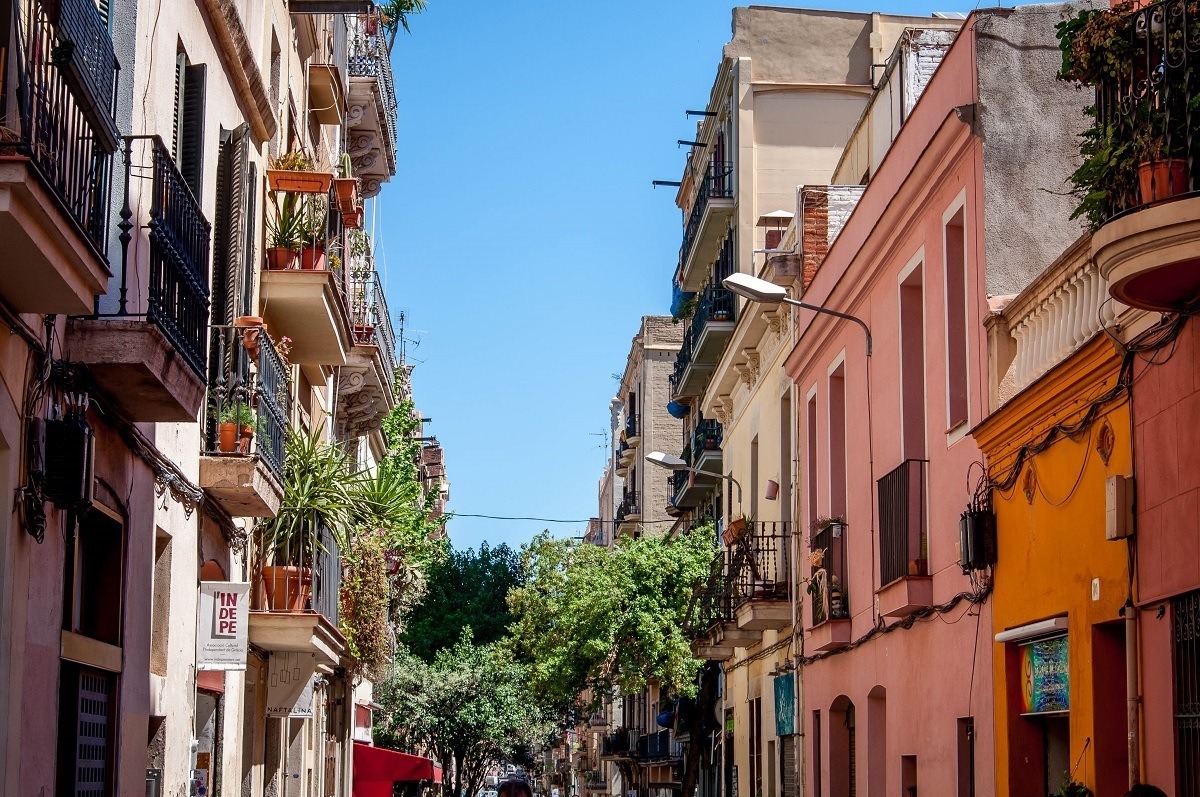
467	588
469	707
590	618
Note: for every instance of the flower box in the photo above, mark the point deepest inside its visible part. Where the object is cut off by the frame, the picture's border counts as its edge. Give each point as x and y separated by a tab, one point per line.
299	182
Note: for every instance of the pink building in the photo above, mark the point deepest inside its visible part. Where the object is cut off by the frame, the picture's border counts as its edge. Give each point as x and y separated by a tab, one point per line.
896	648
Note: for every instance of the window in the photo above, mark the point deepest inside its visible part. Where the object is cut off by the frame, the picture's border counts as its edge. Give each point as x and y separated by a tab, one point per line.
816	753
957	407
837	441
92	594
912	363
754	478
160	609
86	731
810	462
908	776
756	743
188	133
966	757
785	459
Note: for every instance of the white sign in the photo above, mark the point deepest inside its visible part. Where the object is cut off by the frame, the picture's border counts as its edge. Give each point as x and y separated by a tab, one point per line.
287	678
221	635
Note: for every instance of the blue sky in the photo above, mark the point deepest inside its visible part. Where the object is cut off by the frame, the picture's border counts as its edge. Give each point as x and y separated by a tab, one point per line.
521	235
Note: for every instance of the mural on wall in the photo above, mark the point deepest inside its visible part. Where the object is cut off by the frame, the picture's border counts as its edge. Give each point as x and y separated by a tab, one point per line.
1045	677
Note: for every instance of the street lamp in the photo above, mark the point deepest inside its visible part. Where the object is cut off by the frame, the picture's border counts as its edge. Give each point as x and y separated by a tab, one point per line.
675	463
760	290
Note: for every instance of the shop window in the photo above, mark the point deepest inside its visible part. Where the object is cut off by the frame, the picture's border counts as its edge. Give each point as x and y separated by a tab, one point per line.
93	586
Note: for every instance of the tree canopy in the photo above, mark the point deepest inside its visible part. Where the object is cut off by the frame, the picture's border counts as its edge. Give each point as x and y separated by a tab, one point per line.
466	589
591	618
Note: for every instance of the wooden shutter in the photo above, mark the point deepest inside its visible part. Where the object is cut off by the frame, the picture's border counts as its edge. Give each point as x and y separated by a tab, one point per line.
191	127
229	226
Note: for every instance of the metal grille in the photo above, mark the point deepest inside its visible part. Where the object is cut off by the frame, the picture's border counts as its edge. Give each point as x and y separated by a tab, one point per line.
760	563
1186	613
717	184
716	303
903	545
92	730
235	391
369	313
327	576
828	582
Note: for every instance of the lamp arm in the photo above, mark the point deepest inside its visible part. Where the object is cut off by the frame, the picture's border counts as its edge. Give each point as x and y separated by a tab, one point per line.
835	313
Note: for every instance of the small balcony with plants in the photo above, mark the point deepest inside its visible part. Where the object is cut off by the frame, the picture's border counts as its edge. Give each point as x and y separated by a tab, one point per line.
906	584
702	451
366	388
760	574
710	612
146	342
706	224
304	282
371	121
710	326
1138	181
829	611
249	404
629	513
59	82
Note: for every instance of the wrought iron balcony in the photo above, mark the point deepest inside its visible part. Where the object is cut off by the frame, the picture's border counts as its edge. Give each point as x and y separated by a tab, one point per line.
371	319
716	189
176	297
827	559
372	102
65	85
712	598
704	341
760	562
248	381
706	440
903	533
630	509
631	426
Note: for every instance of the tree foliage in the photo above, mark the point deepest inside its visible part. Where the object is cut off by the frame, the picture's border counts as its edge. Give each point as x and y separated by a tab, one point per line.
467	588
590	618
469	707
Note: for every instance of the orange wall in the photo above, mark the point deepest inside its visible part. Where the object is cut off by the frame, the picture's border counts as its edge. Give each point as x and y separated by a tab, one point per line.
1051	547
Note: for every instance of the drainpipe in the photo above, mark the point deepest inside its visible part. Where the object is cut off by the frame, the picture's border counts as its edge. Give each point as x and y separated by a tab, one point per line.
1131	694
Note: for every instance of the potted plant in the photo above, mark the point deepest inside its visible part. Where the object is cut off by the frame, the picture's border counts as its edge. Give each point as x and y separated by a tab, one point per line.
316	493
235	431
345	187
283	234
721	314
735	530
294	173
1161	172
251	328
313	220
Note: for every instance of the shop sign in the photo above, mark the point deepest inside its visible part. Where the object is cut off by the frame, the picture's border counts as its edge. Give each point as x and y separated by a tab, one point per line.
221	633
785	704
1045	676
290	674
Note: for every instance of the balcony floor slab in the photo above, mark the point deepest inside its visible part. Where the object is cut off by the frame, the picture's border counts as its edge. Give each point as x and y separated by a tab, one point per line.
243	485
905	595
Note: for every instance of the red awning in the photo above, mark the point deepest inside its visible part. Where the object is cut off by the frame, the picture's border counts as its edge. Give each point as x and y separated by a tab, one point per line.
377	768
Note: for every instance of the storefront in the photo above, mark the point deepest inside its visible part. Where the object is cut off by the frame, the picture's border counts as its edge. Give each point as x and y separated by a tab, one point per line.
379	772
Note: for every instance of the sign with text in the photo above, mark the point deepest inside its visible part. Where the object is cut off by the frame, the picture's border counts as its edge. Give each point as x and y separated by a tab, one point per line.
290	674
221	634
785	704
1045	677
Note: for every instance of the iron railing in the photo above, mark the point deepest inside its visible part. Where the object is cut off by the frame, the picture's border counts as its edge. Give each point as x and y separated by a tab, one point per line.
679	479
631	425
176	298
1152	106
616	743
717	184
630	505
706	437
1185	611
827	585
66	78
903	544
712	598
760	562
371	319
369	57
248	380
327	576
716	303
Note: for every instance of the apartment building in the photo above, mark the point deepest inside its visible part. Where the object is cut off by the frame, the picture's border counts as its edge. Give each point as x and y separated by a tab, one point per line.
155	359
791	88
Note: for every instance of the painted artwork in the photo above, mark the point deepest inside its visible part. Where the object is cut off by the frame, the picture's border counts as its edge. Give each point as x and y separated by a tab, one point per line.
1045	677
785	704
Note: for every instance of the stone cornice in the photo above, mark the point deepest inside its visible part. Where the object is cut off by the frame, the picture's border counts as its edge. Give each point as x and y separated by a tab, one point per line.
240	60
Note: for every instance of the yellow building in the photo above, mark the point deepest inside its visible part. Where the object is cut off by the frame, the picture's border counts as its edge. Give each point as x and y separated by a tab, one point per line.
1057	441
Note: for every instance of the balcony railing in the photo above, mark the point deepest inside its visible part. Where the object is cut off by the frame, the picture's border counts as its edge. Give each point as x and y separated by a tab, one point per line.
706	437
616	743
371	319
327	576
712	598
827	587
630	505
1152	106
65	85
717	184
631	425
760	562
248	381
176	298
903	541
369	57
715	304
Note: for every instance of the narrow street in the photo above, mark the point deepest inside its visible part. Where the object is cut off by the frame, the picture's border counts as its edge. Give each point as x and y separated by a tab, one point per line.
814	386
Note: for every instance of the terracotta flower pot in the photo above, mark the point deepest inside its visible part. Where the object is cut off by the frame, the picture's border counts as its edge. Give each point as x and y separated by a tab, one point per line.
346	190
287	587
312	258
279	258
1160	180
298	182
227	437
252	328
245	437
734	531
364	334
353	220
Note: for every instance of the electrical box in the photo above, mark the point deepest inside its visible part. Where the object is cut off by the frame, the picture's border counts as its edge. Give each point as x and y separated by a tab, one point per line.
977	540
1118	507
